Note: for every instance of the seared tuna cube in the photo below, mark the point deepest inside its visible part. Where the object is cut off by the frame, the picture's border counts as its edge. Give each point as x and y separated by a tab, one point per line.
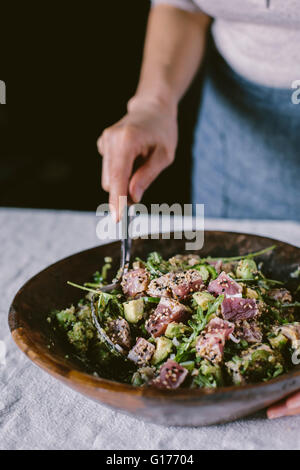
237	309
160	287
171	376
119	332
142	352
210	344
179	284
167	311
186	283
225	285
280	295
249	331
135	282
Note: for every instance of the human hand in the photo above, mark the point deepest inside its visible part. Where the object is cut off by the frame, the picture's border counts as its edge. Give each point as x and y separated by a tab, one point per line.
289	407
149	131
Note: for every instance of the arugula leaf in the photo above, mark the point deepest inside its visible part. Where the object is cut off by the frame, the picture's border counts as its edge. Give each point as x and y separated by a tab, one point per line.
204	382
107	303
99	278
156	265
237	258
151	300
212	271
198	324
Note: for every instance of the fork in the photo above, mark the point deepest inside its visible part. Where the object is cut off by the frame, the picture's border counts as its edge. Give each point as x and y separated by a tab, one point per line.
126	243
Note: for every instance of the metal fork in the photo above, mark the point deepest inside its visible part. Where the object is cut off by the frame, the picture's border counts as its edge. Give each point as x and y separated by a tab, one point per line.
126	243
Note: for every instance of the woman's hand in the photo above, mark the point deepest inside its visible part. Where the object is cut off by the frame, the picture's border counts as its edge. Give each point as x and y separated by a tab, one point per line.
288	407
174	48
149	131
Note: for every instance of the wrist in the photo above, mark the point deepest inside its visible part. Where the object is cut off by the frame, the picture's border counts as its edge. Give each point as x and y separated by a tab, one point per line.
154	102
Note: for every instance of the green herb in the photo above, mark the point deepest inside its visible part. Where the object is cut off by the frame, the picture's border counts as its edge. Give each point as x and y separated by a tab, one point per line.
105	300
99	278
156	264
198	324
203	382
237	258
189	365
83	287
263	282
212	271
293	304
151	300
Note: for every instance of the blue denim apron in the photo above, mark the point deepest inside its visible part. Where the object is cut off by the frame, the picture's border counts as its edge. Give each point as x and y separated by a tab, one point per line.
246	153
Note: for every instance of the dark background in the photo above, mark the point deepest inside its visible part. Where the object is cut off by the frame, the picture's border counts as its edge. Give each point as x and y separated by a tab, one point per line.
70	68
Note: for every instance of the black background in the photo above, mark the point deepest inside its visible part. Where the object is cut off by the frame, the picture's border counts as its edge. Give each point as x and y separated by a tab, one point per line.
70	68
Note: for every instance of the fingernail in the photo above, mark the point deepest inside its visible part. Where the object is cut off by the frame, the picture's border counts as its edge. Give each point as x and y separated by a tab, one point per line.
138	193
293	402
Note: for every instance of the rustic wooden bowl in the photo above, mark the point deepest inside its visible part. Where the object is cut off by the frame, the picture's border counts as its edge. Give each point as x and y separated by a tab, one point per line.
48	290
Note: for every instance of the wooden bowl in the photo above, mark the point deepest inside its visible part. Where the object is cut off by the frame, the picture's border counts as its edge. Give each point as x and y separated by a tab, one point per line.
48	290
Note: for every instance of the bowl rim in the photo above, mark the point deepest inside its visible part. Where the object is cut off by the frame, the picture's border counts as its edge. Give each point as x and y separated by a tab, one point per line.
75	377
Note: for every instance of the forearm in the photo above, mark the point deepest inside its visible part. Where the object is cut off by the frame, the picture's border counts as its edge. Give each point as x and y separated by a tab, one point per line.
174	48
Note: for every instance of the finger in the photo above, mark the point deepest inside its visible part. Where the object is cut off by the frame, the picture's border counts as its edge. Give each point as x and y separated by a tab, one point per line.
280	410
293	401
101	142
121	156
147	173
105	174
276	411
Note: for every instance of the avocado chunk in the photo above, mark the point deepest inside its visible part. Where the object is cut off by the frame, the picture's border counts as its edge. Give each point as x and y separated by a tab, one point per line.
278	342
175	330
163	349
134	310
246	269
204	273
203	299
251	293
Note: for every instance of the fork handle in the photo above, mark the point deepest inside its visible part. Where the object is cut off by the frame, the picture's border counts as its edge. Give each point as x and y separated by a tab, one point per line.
126	241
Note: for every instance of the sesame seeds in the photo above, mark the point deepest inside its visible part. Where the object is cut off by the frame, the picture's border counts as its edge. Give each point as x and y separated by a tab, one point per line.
135	281
142	352
178	285
171	375
237	309
210	344
167	311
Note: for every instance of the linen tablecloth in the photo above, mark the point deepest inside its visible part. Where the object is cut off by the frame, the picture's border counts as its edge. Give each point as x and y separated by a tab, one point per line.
38	412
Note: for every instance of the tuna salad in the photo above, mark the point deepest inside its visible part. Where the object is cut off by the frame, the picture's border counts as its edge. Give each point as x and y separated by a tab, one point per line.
186	321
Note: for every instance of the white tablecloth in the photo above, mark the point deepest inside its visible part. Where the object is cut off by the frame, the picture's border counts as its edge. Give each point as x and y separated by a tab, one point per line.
38	412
